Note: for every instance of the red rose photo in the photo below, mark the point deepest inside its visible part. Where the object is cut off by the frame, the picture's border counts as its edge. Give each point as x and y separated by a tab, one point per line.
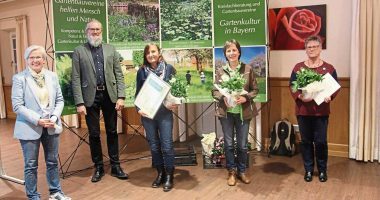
289	27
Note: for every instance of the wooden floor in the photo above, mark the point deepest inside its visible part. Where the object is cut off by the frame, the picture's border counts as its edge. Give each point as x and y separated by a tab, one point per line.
272	178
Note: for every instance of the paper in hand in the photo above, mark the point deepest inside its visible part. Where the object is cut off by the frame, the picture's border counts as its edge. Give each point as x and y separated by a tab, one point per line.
329	85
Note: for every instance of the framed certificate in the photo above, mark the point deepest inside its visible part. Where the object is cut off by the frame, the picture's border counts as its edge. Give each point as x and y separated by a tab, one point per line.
152	93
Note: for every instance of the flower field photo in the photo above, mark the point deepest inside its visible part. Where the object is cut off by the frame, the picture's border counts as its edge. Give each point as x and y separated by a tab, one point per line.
132	24
189	64
186	20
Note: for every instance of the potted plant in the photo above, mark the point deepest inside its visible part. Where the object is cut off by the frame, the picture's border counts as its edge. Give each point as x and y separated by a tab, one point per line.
308	81
232	86
178	92
217	155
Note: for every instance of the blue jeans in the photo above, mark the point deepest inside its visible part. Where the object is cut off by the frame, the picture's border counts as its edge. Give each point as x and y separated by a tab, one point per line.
232	125
30	149
159	132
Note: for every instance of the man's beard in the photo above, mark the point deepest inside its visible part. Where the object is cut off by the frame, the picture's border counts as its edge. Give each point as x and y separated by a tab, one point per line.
95	42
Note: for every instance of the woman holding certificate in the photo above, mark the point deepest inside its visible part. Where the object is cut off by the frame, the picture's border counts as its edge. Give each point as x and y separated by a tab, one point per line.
159	129
235	109
313	118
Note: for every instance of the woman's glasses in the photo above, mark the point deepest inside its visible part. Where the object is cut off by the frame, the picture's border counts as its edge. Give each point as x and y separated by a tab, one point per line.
35	58
312	47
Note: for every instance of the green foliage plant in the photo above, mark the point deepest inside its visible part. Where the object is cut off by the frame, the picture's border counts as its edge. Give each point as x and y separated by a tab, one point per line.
186	20
304	77
178	87
234	83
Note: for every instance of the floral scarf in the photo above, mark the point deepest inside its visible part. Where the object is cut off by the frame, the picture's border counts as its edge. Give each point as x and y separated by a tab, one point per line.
159	71
38	78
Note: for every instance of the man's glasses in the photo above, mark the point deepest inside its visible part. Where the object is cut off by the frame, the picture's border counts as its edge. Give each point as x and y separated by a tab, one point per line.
94	29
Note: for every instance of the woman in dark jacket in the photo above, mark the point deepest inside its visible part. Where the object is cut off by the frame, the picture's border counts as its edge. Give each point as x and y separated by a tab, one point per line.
237	117
159	129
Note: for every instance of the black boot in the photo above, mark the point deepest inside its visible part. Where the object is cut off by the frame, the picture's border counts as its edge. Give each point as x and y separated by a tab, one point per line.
117	171
160	177
98	174
308	176
168	183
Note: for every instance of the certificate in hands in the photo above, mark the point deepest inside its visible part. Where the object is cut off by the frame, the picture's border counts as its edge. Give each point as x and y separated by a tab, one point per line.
329	85
152	93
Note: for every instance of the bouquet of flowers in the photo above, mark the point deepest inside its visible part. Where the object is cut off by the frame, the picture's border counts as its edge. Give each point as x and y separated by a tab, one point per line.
218	148
178	92
308	81
232	86
218	151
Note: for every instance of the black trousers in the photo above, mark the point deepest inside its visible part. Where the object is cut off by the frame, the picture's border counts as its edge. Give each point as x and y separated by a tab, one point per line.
103	102
314	141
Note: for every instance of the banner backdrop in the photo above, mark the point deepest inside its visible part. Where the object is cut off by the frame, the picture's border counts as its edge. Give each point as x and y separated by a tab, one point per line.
70	18
243	20
190	32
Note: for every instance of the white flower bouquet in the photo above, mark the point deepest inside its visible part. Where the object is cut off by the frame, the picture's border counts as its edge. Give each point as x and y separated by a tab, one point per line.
309	82
232	87
208	143
178	92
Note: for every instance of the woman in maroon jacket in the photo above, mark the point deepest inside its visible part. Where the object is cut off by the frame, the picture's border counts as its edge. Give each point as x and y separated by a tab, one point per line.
312	118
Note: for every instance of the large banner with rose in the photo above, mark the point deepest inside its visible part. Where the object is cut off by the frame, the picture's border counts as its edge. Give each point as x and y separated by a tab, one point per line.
190	33
290	26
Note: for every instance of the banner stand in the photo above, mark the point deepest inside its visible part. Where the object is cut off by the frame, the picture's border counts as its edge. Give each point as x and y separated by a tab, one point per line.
135	132
257	141
188	126
82	139
4	176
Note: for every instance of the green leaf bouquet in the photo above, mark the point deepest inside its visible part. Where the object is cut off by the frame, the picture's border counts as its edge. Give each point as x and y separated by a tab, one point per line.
178	92
304	77
233	83
178	87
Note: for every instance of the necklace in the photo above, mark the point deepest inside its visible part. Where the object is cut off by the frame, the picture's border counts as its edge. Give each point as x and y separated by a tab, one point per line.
315	65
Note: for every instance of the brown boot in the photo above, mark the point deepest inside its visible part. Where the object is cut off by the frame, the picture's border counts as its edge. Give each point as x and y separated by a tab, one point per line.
231	181
243	177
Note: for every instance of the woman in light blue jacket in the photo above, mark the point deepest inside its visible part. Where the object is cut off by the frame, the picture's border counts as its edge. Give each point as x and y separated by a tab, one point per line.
38	102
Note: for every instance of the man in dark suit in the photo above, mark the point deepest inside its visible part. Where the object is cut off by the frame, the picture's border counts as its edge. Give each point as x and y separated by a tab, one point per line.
98	84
